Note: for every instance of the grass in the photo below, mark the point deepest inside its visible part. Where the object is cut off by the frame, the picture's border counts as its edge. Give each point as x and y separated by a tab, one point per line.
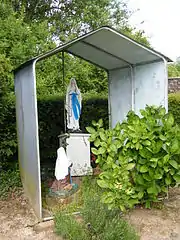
95	221
10	183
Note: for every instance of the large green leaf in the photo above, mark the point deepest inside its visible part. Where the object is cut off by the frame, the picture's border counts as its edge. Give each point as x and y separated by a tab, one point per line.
172	171
166	158
154	160
157	146
94	150
139	179
177	178
132	128
174	164
147	177
109	159
160	163
158	176
101	150
164	189
168	180
90	130
102	136
162	112
97	142
162	137
140	195
132	202
145	153
174	147
148	204
113	147
118	127
92	138
130	166
146	143
102	183
94	123
152	190
118	144
100	122
166	169
151	172
142	161
137	145
143	169
169	121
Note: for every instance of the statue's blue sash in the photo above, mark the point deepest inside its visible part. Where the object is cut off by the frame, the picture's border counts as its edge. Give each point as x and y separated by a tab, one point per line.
75	105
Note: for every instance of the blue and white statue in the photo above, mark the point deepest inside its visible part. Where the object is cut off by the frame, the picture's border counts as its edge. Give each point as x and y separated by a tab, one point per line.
73	106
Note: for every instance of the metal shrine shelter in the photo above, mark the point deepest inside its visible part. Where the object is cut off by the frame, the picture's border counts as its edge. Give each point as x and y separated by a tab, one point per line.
137	75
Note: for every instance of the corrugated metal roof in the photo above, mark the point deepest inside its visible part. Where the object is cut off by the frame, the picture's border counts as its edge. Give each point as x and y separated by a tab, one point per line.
107	48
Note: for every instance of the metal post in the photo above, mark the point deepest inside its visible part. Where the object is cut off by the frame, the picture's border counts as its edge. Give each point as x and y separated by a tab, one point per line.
64	92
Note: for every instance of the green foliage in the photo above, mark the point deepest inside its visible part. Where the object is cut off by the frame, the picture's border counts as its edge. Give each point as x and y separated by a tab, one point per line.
95	221
67	18
7	112
174	106
19	42
51	124
68	228
10	183
22	41
91	79
140	158
174	70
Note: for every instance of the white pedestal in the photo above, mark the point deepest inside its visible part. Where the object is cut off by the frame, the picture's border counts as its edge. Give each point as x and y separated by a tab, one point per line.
78	151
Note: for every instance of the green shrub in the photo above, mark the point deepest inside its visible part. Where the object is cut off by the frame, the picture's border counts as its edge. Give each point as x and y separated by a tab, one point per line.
68	228
104	223
174	106
140	157
7	113
51	124
10	182
96	220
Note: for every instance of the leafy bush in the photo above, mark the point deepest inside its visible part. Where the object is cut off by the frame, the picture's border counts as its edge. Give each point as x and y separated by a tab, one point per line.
174	106
10	182
51	124
104	224
7	115
96	221
140	157
68	228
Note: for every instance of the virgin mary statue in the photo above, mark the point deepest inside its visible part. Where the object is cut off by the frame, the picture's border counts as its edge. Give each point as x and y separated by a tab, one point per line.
73	106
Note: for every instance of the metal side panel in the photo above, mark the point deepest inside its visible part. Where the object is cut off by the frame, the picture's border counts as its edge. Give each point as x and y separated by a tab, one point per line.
150	85
120	94
27	131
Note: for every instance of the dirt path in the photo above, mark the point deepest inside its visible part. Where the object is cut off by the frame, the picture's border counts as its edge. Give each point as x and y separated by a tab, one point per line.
17	221
157	224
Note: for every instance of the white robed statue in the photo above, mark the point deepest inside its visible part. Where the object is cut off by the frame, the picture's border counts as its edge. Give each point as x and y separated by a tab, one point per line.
73	105
62	164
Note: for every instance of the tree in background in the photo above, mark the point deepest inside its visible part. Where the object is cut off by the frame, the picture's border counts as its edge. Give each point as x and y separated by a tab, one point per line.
174	69
32	27
18	42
